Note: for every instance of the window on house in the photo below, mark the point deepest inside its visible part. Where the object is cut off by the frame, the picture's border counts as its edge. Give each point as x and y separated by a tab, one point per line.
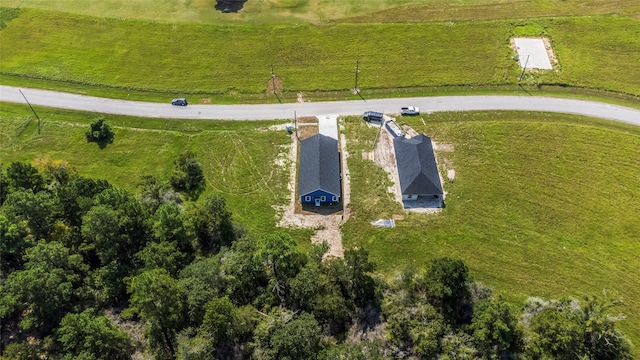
307	198
323	198
334	199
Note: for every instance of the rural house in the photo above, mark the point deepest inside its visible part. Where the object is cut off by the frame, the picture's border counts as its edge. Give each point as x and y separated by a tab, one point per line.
417	168
319	175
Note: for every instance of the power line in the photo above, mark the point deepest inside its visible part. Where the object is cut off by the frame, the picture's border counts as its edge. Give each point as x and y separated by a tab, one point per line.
31	107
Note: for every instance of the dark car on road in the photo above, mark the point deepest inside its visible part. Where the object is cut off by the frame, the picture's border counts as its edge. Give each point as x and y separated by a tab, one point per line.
179	102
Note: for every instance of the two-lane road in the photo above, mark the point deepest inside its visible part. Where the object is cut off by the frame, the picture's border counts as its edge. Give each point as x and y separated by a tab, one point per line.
286	111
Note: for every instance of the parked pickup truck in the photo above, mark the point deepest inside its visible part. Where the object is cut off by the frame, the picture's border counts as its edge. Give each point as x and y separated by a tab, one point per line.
410	110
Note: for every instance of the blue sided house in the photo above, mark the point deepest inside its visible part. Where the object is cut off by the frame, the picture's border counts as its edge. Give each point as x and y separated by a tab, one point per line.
319	176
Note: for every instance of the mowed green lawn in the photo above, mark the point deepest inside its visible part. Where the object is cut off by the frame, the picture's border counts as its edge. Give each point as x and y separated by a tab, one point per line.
243	161
322	11
541	205
596	52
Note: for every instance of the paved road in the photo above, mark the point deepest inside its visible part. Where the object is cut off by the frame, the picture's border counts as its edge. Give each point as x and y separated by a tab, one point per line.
286	111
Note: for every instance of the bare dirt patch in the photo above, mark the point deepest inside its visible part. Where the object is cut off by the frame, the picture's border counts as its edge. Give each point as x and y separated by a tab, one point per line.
550	54
408	130
306	131
443	147
308	120
274	83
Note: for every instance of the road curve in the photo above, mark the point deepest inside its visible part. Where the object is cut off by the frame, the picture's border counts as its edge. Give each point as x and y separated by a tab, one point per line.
286	111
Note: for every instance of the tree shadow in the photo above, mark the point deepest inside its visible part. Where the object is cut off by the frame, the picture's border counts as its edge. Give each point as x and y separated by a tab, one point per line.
102	143
229	6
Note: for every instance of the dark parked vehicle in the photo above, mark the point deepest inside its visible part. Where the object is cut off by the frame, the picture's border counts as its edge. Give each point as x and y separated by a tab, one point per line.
373	116
179	102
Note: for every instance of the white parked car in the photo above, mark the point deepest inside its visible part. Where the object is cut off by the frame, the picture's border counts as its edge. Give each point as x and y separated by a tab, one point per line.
410	110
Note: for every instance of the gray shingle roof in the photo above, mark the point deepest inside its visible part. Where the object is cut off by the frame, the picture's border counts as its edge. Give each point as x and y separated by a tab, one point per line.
417	166
319	165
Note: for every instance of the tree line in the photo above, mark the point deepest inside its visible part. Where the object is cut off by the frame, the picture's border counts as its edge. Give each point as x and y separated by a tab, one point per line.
86	266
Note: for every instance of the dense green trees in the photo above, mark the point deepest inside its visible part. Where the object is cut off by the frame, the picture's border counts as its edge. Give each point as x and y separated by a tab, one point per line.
46	289
73	247
89	336
158	299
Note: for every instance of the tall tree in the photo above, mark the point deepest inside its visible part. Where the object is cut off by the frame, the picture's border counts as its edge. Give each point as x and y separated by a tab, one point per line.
40	210
278	254
56	172
24	176
15	238
602	339
219	319
87	336
202	280
446	287
171	224
187	175
158	299
100	132
283	336
212	223
413	327
495	329
359	267
312	291
557	331
163	255
4	185
46	289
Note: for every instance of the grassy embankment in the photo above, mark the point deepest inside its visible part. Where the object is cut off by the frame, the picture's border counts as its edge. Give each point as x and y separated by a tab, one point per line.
541	205
227	64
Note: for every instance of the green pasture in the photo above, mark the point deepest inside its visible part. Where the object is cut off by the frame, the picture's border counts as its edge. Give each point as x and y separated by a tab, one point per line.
323	11
240	159
541	205
219	62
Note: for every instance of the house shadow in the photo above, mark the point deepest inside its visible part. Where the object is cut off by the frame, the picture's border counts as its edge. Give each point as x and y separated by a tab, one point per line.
424	202
229	6
324	209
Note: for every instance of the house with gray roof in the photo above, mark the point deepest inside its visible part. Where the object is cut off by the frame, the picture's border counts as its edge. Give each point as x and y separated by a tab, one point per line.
319	175
417	168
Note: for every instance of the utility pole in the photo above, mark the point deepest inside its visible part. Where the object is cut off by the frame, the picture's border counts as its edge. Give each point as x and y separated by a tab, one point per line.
31	107
524	68
357	71
355	89
273	84
273	80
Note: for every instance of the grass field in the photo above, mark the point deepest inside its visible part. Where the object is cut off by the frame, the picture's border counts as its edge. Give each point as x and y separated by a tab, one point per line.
323	11
215	60
541	205
238	158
